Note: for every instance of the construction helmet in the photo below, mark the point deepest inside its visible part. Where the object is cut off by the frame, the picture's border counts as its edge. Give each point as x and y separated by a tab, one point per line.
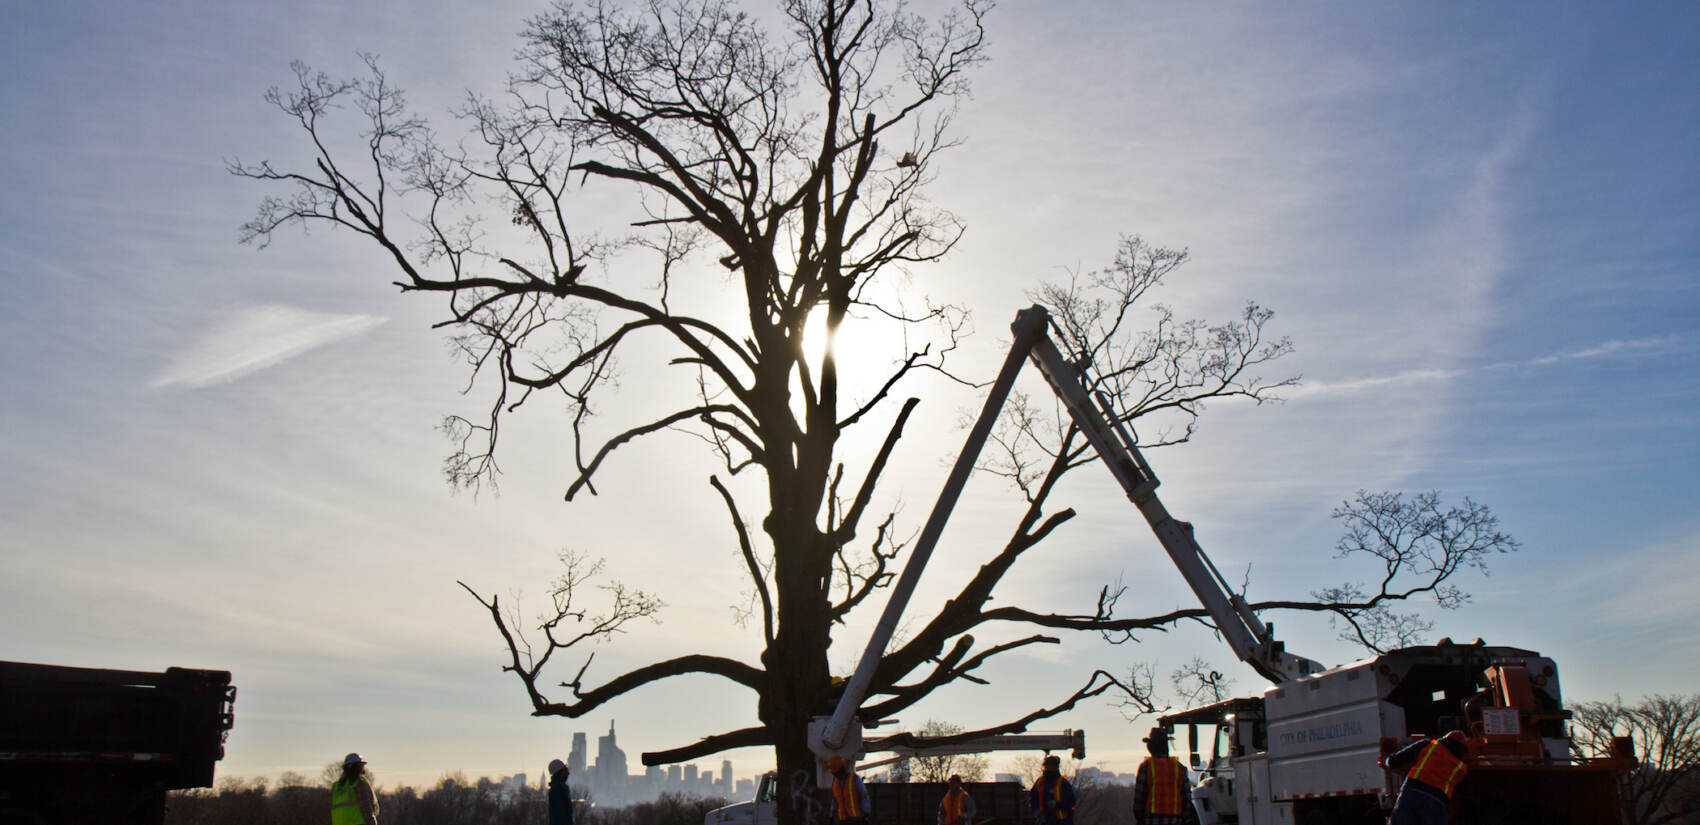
352	759
556	766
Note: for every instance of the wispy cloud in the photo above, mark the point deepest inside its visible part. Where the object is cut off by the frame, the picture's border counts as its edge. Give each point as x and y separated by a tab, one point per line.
1406	378
1604	350
1610	348
1624	595
251	339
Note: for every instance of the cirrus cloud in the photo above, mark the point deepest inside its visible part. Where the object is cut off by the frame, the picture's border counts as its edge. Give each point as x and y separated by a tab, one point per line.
254	338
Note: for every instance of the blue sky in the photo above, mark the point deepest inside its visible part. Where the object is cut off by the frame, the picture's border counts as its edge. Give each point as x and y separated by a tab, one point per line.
1480	225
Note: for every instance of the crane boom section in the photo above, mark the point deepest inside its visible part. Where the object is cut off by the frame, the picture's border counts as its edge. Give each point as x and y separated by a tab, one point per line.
1249	637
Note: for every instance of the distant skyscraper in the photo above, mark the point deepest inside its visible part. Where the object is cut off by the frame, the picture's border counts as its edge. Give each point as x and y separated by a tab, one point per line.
610	772
575	760
674	775
726	776
691	776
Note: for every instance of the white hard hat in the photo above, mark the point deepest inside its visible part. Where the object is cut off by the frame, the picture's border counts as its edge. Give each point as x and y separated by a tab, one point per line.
352	759
556	766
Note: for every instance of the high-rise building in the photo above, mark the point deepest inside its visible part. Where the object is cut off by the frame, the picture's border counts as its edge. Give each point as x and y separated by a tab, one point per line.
675	775
726	777
609	775
691	776
575	760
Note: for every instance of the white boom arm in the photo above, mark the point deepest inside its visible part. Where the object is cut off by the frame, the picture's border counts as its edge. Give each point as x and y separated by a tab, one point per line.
1252	640
1073	741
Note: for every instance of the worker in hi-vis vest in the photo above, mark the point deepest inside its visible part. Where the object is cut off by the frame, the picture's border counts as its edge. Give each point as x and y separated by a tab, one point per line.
352	800
957	807
1433	768
849	795
1052	796
1161	793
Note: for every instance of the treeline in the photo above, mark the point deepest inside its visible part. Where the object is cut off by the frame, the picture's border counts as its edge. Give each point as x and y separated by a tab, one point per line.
453	801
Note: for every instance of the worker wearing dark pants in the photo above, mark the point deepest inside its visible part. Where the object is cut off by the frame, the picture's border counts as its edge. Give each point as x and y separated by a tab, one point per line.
1161	793
1433	768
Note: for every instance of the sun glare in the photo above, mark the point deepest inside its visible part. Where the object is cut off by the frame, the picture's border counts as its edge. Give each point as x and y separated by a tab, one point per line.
815	339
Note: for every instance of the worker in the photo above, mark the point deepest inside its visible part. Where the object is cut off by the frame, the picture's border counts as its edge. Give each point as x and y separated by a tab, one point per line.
1433	768
957	807
1161	793
849	795
352	800
1052	797
560	799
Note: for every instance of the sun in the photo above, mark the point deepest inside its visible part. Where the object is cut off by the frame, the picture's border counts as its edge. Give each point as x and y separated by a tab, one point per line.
849	343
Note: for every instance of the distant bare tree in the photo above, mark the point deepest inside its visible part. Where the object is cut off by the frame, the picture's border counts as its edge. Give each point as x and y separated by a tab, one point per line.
1197	683
1421	545
971	767
1666	733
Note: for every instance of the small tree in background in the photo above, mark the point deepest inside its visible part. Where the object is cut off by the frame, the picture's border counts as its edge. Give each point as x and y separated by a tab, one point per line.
1666	732
971	766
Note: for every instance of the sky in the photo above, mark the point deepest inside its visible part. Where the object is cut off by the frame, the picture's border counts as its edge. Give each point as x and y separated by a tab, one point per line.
1479	224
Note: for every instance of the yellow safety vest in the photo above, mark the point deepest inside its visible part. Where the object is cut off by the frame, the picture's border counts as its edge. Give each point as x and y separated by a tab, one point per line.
345	806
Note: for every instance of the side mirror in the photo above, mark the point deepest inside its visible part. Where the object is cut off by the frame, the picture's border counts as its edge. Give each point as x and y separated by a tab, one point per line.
1195	760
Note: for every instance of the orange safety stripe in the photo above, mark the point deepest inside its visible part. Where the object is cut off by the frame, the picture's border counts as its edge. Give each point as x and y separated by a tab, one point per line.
1056	795
1164	795
844	793
1438	768
955	805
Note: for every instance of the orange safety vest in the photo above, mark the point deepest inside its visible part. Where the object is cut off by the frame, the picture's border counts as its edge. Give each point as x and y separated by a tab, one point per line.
1164	785
1438	769
844	793
955	805
1056	794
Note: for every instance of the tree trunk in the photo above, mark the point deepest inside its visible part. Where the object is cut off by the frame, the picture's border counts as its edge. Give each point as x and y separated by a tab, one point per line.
799	681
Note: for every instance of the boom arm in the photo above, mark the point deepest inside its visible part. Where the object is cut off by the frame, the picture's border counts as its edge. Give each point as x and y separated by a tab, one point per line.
1252	640
909	745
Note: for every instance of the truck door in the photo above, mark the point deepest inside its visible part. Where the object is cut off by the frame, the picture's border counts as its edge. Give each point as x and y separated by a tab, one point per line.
767	801
1251	791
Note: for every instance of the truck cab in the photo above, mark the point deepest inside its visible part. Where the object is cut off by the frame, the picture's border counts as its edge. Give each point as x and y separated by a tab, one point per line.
763	810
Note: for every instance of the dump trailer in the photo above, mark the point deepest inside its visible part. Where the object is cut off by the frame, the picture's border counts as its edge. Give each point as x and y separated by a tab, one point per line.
105	746
890	803
1312	750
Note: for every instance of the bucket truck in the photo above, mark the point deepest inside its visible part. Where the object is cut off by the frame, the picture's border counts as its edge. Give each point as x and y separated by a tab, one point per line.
1308	750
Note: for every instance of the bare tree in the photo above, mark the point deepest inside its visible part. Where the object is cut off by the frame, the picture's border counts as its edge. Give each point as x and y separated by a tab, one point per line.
1421	545
1666	733
970	766
1197	683
788	167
